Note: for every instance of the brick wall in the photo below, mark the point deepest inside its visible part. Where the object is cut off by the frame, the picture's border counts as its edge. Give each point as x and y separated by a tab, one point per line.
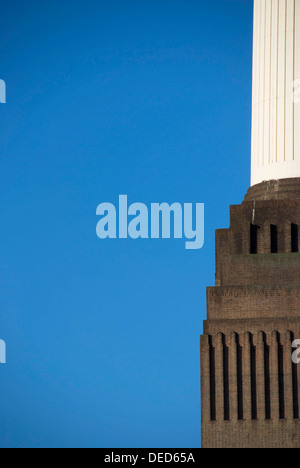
250	387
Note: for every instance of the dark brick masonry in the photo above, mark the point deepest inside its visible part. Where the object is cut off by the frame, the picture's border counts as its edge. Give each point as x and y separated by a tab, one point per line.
250	387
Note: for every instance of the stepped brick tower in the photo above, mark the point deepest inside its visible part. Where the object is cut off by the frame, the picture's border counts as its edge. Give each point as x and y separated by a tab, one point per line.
250	386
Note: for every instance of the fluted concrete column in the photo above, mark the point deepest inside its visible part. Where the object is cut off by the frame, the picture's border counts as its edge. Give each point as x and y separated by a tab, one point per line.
274	376
233	377
276	69
247	403
260	375
287	238
264	239
220	403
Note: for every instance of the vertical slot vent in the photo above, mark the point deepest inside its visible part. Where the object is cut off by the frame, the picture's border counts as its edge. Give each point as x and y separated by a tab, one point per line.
295	391
274	239
253	381
253	239
281	382
295	238
240	381
226	382
267	382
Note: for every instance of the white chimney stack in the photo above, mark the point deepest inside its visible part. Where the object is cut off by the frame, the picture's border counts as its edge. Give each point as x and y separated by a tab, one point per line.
276	84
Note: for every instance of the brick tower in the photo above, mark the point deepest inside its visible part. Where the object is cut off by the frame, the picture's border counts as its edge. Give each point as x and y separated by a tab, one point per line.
250	386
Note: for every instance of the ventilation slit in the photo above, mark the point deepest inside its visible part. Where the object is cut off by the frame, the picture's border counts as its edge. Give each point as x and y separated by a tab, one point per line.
295	237
295	392
274	239
253	239
226	382
281	382
253	382
267	382
240	381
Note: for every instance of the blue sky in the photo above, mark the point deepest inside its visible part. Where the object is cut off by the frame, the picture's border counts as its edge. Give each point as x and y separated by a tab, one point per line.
149	98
